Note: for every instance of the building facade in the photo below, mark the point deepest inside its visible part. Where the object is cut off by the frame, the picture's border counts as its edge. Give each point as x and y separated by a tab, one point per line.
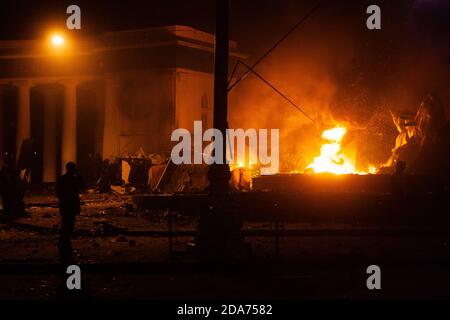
111	94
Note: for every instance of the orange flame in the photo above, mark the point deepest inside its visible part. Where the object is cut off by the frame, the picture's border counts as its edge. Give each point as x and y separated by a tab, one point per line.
332	159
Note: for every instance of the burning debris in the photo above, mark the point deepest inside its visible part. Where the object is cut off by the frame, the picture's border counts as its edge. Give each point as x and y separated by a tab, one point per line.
332	158
422	138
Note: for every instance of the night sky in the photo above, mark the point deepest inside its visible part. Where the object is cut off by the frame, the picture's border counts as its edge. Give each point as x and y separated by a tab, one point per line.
254	23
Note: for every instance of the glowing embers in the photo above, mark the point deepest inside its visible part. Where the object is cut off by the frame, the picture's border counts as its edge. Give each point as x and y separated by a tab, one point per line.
332	159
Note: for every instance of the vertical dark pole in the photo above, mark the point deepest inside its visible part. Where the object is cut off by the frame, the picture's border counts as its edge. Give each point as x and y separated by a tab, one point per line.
219	230
219	174
221	66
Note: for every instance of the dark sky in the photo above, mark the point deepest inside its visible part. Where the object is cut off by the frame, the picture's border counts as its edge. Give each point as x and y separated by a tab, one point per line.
254	23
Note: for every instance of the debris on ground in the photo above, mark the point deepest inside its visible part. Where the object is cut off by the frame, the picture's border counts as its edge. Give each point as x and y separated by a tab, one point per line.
105	228
121	238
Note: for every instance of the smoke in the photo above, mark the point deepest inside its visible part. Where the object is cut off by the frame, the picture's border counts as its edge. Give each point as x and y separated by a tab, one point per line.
337	71
423	63
304	68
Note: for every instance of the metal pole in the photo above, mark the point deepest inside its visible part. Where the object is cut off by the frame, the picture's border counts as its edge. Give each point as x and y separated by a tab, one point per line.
219	229
219	174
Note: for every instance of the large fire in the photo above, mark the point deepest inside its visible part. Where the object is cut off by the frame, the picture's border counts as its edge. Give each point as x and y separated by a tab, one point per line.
332	158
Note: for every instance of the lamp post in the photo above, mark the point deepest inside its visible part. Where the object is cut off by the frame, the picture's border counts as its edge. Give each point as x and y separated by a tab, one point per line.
219	226
219	174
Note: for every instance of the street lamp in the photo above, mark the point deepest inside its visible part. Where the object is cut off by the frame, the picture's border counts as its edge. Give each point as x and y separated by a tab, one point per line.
57	40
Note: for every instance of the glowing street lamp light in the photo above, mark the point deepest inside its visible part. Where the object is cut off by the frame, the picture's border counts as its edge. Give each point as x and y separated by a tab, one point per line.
57	40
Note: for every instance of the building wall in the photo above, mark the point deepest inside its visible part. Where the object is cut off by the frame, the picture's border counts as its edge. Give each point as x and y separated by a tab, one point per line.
155	102
194	98
147	108
120	91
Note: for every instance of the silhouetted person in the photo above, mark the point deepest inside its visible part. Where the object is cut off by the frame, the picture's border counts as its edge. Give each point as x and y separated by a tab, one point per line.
132	178
140	174
145	180
104	184
12	191
68	190
97	166
5	188
89	175
116	172
398	180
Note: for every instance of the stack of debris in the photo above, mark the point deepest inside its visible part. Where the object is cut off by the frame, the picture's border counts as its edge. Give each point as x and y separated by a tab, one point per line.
422	142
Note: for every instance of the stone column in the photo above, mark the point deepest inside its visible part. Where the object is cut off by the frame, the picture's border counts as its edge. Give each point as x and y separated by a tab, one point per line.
111	126
23	114
49	149
69	124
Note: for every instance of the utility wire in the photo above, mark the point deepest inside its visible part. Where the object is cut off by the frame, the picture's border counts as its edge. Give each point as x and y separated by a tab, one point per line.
232	73
274	88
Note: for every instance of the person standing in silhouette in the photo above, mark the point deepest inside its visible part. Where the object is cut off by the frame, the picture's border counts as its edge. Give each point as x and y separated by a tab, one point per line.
68	189
104	183
12	190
